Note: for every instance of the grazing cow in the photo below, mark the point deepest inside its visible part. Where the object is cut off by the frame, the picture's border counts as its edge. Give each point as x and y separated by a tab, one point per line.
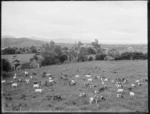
103	83
82	95
105	86
125	81
72	82
38	90
133	85
49	75
15	76
137	81
106	79
19	80
91	99
77	76
144	79
64	77
3	81
31	77
14	85
139	84
129	88
132	94
57	97
119	95
36	85
27	80
102	98
88	76
120	91
91	86
122	79
26	73
119	85
101	89
90	79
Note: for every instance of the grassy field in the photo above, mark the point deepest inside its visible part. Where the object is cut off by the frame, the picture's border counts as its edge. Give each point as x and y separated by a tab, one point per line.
25	96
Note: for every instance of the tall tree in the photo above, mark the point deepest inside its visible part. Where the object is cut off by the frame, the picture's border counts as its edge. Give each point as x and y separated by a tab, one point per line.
96	46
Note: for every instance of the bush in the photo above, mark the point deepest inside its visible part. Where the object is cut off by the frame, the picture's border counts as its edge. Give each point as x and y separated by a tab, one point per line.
82	57
90	58
138	55
49	61
132	55
100	56
145	56
62	58
6	74
25	66
6	65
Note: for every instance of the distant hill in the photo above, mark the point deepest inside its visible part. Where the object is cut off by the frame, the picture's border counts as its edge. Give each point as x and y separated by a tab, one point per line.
27	42
20	42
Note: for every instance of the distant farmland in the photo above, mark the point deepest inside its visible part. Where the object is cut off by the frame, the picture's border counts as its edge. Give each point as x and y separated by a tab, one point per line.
24	58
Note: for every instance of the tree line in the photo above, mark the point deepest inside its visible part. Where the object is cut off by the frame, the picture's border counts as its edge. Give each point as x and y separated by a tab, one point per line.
23	50
55	54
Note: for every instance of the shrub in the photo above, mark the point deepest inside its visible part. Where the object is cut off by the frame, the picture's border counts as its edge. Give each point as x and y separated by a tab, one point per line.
145	56
6	74
6	65
138	55
90	58
25	66
132	55
62	58
82	57
100	56
49	61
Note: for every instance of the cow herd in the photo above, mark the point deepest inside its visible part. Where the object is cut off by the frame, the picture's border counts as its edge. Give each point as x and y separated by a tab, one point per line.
48	79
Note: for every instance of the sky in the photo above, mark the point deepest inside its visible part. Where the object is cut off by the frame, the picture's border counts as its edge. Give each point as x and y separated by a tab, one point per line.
111	22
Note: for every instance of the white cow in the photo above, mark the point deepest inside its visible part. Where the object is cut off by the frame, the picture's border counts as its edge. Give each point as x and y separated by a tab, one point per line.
88	76
3	81
132	94
14	85
36	85
38	90
133	85
77	76
119	95
82	94
26	73
120	91
90	79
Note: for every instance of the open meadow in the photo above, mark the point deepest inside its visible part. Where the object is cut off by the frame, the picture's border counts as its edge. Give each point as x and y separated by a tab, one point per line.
24	98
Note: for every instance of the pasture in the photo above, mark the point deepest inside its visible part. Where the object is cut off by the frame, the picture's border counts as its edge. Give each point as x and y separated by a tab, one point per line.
25	97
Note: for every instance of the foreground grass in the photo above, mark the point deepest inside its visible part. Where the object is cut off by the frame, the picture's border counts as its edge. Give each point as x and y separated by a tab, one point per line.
25	96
